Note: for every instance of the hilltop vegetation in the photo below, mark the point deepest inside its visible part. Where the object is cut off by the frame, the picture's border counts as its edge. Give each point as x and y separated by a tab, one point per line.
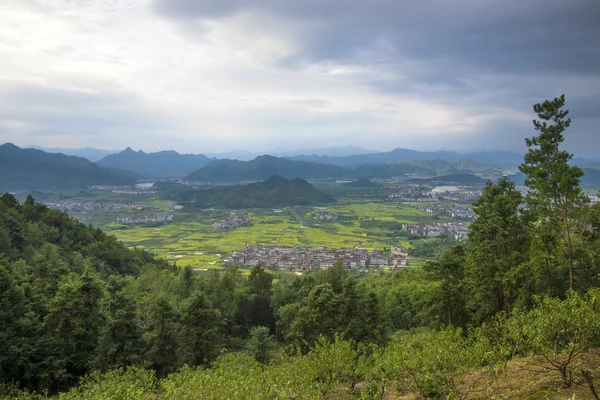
274	192
25	169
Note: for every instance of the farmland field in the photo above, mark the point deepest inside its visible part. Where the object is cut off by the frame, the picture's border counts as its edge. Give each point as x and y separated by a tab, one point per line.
191	240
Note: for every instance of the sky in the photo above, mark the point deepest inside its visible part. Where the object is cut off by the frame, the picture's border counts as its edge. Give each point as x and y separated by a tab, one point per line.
207	76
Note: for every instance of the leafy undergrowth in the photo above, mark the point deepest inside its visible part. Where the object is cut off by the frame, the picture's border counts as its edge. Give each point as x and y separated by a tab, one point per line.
532	379
312	377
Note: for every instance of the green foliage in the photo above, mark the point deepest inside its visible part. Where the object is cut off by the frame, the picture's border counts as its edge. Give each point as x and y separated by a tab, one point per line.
554	190
130	383
562	330
430	364
260	344
449	298
497	243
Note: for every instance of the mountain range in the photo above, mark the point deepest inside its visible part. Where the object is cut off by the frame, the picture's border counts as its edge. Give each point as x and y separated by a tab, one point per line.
35	169
493	157
274	192
163	164
263	167
89	153
244	155
25	169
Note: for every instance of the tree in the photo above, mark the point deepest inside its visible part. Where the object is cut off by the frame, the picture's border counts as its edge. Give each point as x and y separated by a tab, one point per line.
121	344
161	337
254	304
448	270
200	331
497	244
553	184
260	344
561	331
73	324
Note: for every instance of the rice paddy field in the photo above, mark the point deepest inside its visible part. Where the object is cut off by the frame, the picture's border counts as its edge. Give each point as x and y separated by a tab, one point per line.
191	240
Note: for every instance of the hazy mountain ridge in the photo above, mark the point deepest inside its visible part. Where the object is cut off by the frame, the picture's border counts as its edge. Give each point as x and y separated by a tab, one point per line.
263	167
274	192
494	157
243	155
24	169
90	153
161	164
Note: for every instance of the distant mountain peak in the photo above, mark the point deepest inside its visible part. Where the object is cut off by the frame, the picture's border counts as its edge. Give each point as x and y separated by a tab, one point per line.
9	146
166	163
27	169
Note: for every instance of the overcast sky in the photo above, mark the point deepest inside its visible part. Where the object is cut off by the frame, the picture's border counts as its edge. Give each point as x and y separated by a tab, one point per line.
209	76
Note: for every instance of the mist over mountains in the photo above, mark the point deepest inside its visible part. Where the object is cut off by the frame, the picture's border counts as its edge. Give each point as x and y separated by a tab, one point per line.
90	153
162	164
35	169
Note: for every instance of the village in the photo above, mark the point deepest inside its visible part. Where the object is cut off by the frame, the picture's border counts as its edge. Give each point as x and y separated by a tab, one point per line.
455	211
325	217
86	207
457	230
417	193
232	222
310	258
145	219
137	190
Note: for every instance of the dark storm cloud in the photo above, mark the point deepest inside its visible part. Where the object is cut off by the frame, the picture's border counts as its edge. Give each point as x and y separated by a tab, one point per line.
499	36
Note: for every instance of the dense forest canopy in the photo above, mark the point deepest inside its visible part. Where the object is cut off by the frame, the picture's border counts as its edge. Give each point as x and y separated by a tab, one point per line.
84	316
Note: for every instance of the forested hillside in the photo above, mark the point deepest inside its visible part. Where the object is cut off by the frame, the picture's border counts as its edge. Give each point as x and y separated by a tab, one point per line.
512	313
273	192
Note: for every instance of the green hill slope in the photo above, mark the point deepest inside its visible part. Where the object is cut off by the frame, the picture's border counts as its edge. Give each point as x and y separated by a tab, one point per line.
274	192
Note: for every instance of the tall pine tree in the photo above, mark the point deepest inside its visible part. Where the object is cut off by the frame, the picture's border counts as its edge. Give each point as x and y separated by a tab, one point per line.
553	184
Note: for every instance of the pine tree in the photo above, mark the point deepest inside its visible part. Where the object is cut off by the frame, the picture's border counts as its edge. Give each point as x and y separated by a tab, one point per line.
497	244
200	331
449	297
161	338
553	184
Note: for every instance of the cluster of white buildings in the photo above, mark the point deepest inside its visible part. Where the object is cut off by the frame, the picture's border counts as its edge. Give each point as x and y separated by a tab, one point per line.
456	211
459	195
126	189
85	207
232	222
325	217
458	230
145	219
310	258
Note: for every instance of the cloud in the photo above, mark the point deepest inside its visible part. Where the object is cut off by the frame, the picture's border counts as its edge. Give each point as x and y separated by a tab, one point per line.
207	76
